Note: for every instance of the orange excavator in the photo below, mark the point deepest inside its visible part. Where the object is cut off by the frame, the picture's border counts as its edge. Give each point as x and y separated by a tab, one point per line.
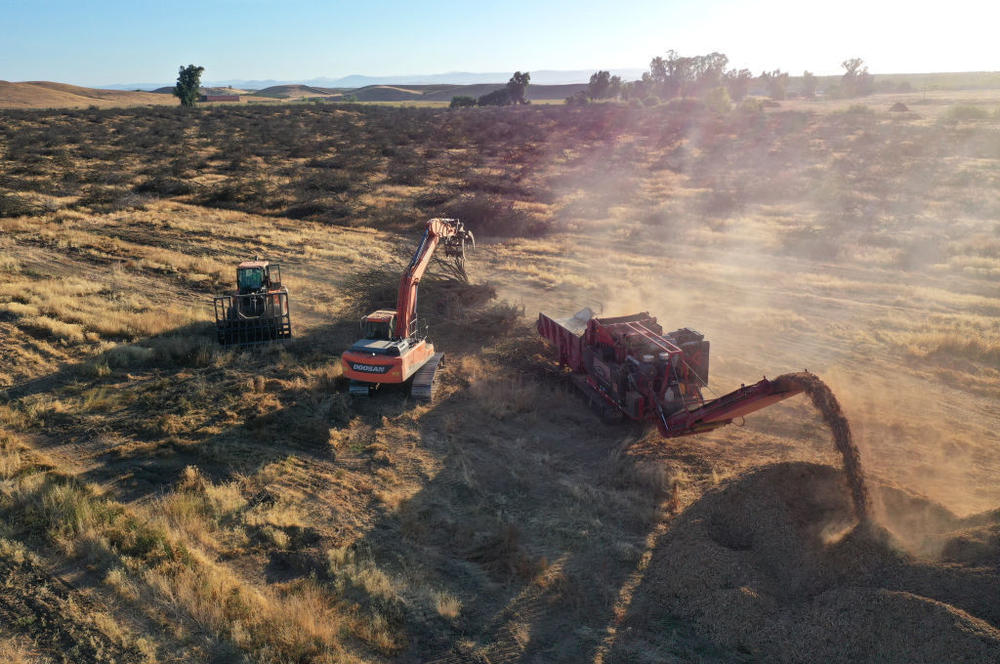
393	350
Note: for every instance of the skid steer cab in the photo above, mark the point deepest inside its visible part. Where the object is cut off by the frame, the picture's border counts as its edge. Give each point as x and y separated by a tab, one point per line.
257	311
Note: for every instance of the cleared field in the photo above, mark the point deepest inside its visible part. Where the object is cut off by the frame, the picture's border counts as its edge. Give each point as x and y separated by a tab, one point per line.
215	503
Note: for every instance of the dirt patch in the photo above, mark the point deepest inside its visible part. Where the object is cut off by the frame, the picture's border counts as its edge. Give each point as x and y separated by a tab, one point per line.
828	406
771	567
42	607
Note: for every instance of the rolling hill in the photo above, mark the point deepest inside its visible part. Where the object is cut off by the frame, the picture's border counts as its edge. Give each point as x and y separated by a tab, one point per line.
46	94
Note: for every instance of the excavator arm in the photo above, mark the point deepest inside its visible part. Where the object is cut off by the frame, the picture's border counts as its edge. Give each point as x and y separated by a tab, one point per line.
453	235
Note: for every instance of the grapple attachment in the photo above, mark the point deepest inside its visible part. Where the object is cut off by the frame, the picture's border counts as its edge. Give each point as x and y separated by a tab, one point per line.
254	318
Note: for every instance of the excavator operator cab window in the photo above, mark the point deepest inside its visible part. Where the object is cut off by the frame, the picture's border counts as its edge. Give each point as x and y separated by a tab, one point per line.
377	329
250	279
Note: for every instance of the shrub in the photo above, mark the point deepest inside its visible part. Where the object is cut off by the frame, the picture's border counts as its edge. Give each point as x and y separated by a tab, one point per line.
686	105
724	201
966	113
717	100
499	97
335	182
859	109
12	205
406	171
491	215
304	210
462	101
433	198
109	199
164	186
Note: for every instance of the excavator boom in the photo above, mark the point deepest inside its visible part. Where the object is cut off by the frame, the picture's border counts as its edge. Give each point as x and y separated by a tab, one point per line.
453	234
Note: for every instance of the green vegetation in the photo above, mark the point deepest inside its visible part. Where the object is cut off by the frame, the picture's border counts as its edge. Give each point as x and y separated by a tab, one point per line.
808	85
188	84
462	101
776	83
856	81
499	97
966	113
604	86
516	87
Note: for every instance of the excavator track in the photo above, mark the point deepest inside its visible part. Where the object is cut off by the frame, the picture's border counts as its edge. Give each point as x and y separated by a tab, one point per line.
424	380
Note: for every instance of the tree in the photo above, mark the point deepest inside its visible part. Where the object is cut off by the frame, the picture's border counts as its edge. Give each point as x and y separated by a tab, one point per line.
737	83
616	86
776	83
671	75
717	100
462	101
856	81
657	70
600	84
678	75
499	97
808	84
638	89
188	82
516	86
706	72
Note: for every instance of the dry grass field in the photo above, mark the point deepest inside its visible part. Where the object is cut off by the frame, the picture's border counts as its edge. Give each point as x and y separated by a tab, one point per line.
46	94
164	499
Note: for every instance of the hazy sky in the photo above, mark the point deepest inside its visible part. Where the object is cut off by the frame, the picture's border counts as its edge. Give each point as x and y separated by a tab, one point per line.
93	43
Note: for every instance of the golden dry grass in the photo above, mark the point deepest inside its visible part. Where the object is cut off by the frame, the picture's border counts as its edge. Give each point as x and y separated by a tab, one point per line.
45	94
236	504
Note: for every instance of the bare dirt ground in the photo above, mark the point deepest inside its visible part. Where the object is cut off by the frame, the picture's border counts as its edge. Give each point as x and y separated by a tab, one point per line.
219	504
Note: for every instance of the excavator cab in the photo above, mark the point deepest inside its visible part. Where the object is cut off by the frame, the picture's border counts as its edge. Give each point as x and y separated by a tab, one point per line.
379	324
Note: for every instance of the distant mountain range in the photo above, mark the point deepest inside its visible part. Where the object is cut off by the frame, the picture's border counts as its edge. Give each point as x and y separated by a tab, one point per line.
542	77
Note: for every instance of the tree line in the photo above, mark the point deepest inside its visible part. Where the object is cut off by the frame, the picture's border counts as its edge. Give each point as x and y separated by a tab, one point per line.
707	76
